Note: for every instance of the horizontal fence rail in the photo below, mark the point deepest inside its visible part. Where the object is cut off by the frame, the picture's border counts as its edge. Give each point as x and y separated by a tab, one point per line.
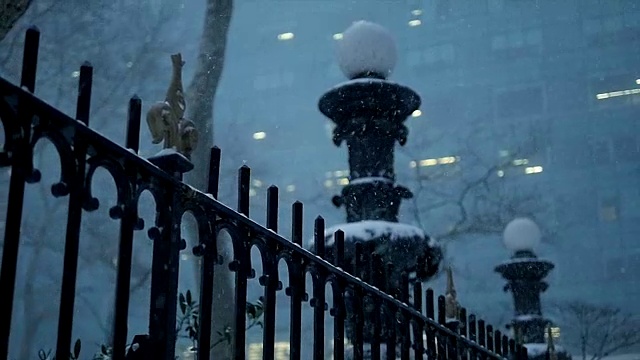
408	326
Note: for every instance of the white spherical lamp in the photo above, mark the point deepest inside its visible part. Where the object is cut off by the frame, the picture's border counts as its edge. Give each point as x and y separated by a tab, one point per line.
521	234
366	47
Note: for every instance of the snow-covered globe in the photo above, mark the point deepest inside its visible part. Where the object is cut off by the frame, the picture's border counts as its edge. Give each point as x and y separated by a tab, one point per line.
521	234
367	47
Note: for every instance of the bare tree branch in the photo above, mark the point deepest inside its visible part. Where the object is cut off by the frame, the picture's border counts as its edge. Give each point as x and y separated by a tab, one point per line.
10	12
599	330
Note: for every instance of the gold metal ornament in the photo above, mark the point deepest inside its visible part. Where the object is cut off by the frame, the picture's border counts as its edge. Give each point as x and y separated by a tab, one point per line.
166	118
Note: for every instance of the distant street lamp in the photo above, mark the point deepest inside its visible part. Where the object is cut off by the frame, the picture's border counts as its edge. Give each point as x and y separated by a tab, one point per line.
525	273
369	112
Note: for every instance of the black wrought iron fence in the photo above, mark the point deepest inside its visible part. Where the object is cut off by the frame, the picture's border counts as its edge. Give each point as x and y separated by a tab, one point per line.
413	330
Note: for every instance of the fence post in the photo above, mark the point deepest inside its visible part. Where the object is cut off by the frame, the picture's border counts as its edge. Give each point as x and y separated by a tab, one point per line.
318	302
405	324
167	245
74	217
270	279
207	248
391	324
21	169
418	327
378	275
128	222
241	265
338	300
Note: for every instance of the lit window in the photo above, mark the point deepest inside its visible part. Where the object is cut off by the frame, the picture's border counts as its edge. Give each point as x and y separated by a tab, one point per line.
428	162
337	36
638	81
447	160
340	173
252	192
282	350
255	351
413	164
328	183
291	188
257	183
520	162
416	12
533	170
184	257
285	36
343	181
260	135
555	332
415	22
416	113
500	173
613	94
75	74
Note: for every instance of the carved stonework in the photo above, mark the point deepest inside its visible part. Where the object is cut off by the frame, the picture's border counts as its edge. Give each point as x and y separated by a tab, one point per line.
166	118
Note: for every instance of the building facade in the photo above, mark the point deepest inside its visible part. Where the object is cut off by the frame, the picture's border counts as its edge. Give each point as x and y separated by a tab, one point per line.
562	77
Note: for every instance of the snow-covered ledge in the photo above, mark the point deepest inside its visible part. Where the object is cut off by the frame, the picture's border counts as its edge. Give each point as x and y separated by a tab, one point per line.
541	349
373	229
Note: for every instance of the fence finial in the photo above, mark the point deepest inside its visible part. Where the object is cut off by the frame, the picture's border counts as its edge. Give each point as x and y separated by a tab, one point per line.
451	301
166	119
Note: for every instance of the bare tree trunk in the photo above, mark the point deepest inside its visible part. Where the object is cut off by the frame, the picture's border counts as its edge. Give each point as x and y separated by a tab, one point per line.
10	12
202	89
200	96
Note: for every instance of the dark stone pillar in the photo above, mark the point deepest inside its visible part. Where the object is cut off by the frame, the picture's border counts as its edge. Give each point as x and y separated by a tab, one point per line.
524	275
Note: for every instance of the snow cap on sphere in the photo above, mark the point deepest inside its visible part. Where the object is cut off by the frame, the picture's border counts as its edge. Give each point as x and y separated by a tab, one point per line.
366	47
521	234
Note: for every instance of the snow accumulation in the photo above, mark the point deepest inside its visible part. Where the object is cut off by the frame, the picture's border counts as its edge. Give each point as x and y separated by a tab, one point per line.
521	234
540	349
527	317
371	229
361	81
366	46
524	260
167	151
372	179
